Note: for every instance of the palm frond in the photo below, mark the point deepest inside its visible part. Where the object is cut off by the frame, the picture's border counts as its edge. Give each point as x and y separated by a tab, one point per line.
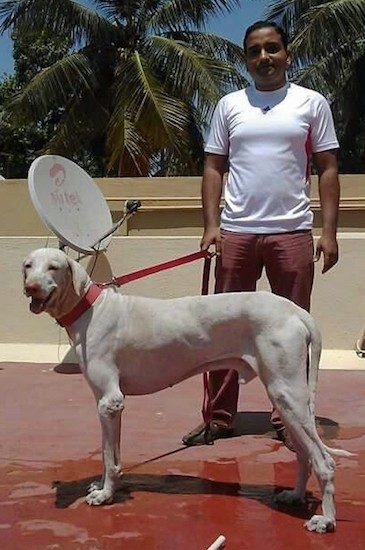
125	145
52	87
328	73
61	17
83	120
187	73
287	13
350	106
159	117
159	76
185	14
319	26
329	25
126	10
232	71
212	45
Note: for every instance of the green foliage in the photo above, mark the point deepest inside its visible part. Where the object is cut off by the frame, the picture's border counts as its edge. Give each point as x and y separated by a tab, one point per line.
34	51
21	141
18	145
139	82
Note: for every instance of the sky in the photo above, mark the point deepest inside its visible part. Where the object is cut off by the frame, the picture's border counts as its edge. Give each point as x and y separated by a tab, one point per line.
231	26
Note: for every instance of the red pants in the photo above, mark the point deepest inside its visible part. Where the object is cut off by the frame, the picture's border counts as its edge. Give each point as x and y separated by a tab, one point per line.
288	262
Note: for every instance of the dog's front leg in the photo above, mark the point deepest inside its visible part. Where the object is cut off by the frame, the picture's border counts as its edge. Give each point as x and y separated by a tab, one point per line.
110	408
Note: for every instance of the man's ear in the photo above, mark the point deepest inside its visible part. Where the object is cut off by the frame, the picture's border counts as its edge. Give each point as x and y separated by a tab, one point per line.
289	58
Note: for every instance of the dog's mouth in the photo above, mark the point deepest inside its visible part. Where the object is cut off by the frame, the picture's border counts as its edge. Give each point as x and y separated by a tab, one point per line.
38	305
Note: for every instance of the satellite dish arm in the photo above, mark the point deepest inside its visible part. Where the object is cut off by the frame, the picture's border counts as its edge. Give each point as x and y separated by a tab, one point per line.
130	208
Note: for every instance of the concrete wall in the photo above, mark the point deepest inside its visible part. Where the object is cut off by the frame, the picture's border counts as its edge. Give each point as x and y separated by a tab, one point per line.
170	206
338	297
169	225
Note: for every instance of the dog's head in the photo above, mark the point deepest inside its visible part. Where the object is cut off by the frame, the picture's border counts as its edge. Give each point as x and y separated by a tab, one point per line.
52	279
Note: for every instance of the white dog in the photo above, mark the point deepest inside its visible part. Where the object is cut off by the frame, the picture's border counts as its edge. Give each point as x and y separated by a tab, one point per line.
129	345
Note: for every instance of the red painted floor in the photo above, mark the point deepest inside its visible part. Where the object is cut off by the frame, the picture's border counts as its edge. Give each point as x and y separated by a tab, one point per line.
182	500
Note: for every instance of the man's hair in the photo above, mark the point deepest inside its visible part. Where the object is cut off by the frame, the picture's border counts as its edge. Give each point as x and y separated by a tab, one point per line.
263	25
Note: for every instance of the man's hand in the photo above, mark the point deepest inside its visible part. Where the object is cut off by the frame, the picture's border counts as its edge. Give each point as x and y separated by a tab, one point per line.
211	236
329	248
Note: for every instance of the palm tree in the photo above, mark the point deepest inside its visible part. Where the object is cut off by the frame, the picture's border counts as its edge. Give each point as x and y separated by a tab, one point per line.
141	76
328	42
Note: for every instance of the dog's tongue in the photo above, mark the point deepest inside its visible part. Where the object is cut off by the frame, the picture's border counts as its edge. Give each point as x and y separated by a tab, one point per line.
36	305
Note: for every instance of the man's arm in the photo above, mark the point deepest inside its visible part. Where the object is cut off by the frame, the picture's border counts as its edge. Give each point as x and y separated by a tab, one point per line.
212	185
329	195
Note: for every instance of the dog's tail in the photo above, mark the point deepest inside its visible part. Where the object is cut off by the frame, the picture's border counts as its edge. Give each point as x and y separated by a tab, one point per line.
315	342
338	452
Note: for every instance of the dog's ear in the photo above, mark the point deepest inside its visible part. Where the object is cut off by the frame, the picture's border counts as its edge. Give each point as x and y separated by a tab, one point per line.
26	264
80	278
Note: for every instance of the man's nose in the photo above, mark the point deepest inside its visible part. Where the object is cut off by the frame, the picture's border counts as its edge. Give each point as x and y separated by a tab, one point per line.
263	54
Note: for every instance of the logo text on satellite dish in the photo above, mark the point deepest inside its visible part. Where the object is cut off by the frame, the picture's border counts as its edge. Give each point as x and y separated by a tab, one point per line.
58	174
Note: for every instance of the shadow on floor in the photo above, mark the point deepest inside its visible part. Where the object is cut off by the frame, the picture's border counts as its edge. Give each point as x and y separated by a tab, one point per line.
68	492
247	423
258	423
67	368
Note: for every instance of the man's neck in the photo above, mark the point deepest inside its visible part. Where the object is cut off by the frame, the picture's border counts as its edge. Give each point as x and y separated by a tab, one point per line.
272	88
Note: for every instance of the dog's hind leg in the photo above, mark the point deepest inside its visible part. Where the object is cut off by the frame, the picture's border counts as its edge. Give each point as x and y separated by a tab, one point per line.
324	468
110	403
292	411
297	495
293	408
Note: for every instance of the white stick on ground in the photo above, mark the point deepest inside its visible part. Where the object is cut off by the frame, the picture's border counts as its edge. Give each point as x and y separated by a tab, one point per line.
218	543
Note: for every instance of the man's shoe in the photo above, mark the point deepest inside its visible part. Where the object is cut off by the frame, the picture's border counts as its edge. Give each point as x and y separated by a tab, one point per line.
283	435
206	435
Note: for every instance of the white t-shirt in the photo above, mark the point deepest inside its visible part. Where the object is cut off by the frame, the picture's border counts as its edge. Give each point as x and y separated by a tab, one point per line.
268	138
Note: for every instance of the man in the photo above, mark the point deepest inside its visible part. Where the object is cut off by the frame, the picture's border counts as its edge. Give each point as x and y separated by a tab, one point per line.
266	134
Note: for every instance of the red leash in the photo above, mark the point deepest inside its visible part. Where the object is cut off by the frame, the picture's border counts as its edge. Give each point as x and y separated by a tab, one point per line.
207	409
96	288
123	279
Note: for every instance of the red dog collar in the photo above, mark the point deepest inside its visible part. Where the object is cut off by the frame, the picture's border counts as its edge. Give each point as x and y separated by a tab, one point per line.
84	304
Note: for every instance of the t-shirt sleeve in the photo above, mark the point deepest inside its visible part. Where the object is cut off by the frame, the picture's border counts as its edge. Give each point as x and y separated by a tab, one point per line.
323	133
218	140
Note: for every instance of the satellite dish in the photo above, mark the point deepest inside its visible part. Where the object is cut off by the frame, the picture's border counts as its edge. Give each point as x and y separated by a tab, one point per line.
70	203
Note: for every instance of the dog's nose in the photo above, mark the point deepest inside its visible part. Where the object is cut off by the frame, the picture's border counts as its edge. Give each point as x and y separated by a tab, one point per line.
32	288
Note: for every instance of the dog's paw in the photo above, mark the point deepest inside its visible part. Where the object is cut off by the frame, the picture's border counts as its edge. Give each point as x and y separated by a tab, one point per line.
95	486
320	524
99	496
288	497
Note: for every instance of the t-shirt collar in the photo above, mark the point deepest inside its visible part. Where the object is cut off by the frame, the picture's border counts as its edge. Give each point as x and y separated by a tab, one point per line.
272	94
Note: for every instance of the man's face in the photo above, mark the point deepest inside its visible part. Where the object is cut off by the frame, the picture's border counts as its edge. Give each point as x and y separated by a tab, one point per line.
266	59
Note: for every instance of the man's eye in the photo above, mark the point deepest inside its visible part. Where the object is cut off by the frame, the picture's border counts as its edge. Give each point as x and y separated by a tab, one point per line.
272	49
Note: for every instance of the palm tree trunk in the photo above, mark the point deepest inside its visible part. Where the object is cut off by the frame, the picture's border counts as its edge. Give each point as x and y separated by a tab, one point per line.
128	168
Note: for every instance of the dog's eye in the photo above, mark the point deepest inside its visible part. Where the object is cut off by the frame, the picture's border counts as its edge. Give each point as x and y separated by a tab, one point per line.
28	265
53	267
